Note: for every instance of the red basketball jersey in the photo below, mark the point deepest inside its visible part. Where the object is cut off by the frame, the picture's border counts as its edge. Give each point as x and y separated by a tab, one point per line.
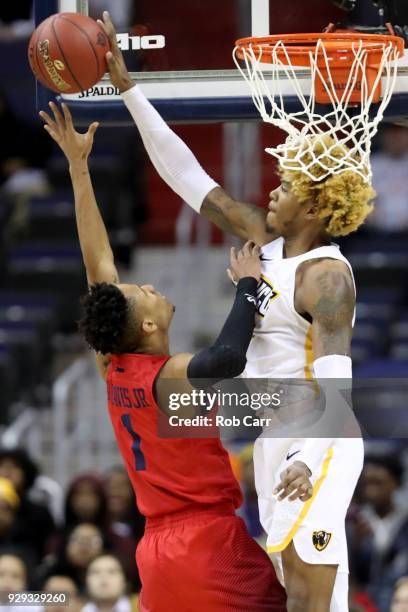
167	474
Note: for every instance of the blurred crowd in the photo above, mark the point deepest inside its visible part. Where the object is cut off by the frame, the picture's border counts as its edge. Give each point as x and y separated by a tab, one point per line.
82	541
390	171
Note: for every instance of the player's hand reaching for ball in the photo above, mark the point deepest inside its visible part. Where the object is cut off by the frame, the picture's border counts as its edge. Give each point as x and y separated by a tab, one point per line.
116	64
245	263
60	127
295	483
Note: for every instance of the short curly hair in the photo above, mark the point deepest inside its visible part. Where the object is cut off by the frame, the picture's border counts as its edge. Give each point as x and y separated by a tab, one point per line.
107	319
343	199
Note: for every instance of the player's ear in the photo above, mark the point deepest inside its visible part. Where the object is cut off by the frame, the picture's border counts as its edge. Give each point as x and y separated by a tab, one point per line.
310	209
148	326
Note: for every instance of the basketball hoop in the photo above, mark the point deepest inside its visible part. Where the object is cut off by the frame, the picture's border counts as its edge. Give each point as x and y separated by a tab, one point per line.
348	70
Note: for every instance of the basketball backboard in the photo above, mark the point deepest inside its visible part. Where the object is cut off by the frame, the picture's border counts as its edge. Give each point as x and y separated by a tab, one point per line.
179	52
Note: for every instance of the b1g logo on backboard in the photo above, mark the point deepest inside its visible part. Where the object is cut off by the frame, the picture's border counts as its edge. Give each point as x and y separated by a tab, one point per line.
135	43
265	294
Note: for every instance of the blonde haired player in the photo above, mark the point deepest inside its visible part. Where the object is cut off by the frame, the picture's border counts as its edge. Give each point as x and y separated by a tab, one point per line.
306	311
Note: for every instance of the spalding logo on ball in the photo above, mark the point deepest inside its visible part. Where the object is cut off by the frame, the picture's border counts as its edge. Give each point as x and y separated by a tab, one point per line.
67	52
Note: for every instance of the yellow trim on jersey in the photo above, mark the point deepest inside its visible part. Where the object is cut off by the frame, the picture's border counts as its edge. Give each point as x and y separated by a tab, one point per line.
309	355
306	507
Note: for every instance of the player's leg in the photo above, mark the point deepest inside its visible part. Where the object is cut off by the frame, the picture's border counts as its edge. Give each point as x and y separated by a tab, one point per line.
309	587
206	561
319	546
340	597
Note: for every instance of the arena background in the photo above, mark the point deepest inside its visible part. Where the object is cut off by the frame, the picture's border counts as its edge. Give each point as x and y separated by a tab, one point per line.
52	402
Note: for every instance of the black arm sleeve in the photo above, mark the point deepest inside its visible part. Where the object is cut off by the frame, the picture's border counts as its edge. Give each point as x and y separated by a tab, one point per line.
226	358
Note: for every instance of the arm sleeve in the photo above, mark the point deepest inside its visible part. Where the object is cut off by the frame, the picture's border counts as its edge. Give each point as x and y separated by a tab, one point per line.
226	358
170	156
329	366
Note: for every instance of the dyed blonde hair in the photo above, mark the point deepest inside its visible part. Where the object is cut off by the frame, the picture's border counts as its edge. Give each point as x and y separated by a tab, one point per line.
343	200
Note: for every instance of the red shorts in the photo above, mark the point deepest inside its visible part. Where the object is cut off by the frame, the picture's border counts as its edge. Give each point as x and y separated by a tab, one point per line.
205	561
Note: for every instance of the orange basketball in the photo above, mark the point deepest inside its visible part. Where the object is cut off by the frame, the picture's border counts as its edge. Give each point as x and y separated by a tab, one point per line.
67	52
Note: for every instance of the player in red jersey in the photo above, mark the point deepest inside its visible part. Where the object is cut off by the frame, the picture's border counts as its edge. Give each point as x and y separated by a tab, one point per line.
196	554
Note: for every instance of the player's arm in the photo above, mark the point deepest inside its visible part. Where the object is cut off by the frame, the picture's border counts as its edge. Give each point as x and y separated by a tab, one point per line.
226	358
176	164
328	296
93	237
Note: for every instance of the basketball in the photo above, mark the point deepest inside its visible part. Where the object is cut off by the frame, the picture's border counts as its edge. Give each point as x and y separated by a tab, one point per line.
67	52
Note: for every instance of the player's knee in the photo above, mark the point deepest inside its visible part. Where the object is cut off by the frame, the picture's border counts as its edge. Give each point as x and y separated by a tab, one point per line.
296	603
303	597
308	603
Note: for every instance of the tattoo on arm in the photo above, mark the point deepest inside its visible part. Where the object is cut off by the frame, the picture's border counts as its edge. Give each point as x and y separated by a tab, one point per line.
242	219
332	313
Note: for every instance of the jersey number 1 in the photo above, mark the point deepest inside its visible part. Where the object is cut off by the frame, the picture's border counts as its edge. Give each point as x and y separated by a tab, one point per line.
140	463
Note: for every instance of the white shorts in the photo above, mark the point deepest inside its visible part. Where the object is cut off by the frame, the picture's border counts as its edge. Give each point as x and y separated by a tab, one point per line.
316	527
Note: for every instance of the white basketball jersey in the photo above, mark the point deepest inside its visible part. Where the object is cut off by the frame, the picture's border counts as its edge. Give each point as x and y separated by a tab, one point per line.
281	346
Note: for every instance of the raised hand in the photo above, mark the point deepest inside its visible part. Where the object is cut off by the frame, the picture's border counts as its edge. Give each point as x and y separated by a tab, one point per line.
116	64
245	263
74	145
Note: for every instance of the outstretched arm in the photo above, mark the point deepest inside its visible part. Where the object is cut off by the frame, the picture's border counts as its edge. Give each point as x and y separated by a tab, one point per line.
93	238
327	294
176	164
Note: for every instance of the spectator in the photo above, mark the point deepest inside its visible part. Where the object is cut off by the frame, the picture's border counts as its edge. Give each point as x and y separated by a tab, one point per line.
63	584
86	502
13	573
390	170
106	587
126	522
124	516
14	577
34	523
12	537
400	597
9	503
50	494
359	601
77	550
379	530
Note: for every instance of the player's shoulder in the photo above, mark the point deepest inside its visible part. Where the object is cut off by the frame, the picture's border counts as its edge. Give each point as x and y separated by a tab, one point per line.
176	366
324	271
324	264
324	278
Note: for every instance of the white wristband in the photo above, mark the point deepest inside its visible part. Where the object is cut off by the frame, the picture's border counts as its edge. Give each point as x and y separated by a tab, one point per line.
170	156
333	366
329	366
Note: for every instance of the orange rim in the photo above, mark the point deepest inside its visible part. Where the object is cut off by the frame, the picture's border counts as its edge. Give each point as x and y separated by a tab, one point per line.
339	47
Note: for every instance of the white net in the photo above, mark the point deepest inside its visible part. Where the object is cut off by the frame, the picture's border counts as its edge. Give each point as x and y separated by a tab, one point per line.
343	123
